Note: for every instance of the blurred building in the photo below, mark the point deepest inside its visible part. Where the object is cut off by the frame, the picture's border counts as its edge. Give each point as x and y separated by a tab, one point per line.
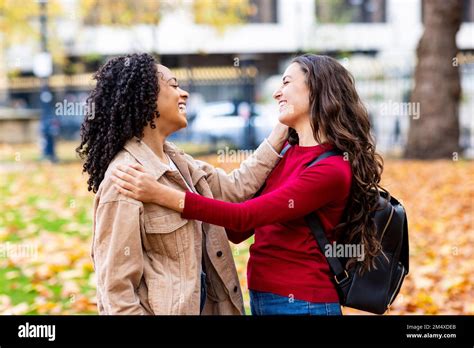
375	39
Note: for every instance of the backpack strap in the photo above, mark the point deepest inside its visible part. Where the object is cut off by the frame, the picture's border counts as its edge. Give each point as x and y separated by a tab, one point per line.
286	148
314	223
327	154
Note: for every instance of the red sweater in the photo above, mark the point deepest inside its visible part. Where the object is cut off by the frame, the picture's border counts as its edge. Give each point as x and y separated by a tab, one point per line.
285	258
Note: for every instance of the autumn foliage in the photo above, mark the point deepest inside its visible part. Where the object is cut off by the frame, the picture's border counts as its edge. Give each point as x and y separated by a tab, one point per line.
46	210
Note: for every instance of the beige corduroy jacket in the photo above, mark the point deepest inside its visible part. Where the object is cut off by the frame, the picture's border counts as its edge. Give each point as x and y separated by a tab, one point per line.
148	259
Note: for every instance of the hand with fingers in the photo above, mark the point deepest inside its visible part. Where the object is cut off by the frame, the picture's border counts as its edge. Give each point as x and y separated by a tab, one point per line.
134	182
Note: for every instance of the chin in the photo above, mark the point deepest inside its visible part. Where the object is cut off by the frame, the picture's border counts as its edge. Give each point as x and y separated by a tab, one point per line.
183	123
285	119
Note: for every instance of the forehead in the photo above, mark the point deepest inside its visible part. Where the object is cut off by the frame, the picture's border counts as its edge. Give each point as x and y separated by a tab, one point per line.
293	70
164	73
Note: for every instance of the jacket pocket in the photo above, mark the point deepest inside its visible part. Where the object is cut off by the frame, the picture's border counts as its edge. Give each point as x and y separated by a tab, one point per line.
163	221
168	234
160	296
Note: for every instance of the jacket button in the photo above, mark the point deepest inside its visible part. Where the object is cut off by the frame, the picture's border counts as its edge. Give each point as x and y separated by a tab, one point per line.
219	253
236	288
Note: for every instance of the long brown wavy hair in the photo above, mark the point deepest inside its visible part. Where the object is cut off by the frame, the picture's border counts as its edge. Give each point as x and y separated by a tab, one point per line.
338	115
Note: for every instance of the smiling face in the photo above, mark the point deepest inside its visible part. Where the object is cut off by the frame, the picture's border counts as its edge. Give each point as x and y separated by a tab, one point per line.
293	97
171	102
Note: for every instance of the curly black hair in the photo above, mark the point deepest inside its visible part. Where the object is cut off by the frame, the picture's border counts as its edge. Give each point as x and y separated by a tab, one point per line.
120	106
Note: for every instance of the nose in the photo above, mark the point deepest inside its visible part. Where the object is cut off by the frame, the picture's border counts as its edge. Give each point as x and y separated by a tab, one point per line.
184	94
277	93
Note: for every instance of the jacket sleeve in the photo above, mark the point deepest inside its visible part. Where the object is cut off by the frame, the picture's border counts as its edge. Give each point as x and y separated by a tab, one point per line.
118	256
242	183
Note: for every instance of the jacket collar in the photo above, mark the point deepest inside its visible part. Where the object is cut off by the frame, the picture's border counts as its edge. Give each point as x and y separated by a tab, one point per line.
152	164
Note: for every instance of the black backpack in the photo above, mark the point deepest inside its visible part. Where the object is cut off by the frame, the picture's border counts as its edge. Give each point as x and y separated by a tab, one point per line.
375	290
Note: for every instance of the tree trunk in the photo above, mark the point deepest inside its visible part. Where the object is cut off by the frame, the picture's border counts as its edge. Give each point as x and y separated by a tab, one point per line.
434	132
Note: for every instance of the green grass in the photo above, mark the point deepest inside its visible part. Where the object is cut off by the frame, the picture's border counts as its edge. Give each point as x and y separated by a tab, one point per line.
49	206
17	289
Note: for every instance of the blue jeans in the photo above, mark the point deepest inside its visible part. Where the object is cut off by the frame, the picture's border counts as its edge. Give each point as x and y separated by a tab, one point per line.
265	303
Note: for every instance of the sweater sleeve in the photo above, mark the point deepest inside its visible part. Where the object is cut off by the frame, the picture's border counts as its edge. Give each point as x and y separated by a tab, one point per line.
242	183
238	237
314	188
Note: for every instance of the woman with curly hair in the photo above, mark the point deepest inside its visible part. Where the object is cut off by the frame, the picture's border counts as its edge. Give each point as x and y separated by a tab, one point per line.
147	258
287	272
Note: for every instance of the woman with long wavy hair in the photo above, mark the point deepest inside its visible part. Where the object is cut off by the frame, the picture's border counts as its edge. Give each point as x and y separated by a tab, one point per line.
147	258
287	273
